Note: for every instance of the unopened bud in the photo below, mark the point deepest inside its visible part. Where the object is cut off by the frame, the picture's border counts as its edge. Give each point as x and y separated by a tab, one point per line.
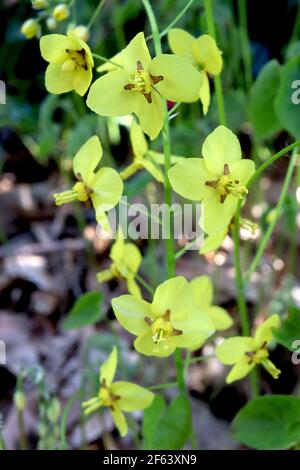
54	410
30	28
81	32
61	12
39	4
51	23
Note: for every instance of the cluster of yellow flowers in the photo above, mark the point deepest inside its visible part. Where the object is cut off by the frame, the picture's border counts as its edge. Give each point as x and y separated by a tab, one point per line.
53	15
182	313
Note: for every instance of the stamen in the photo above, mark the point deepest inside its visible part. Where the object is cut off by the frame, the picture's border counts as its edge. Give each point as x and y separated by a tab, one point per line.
226	169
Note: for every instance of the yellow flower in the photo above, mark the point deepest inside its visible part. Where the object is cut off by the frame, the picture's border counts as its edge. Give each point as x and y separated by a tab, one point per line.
104	187
118	396
126	260
70	63
171	321
246	352
30	28
203	53
218	179
61	12
80	32
136	86
202	289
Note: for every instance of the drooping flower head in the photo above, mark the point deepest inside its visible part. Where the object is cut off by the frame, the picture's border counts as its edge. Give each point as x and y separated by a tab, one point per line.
246	352
118	396
70	63
141	156
203	53
136	85
171	321
104	187
126	260
218	180
202	289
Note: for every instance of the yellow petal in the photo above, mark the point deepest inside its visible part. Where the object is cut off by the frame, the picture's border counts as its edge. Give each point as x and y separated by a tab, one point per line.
87	159
57	81
138	141
132	396
117	250
82	80
195	325
133	288
213	241
132	257
136	50
54	45
220	147
264	332
233	349
119	420
173	295
144	344
204	92
153	170
107	189
106	275
242	170
107	96
240	370
188	178
202	289
216	216
181	81
208	55
151	115
220	318
108	369
182	43
131	313
130	170
102	220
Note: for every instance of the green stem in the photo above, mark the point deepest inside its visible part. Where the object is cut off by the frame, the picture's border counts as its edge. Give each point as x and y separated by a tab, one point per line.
217	79
193	360
245	44
96	13
64	421
239	282
144	284
163	386
170	253
104	59
2	443
178	17
278	211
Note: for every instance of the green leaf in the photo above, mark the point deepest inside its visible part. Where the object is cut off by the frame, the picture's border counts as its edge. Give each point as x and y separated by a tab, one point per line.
289	331
86	311
168	429
152	416
262	109
288	111
268	423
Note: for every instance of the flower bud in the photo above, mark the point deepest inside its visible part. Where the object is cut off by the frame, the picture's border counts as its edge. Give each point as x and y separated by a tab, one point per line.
20	400
30	28
81	32
51	23
39	4
61	12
